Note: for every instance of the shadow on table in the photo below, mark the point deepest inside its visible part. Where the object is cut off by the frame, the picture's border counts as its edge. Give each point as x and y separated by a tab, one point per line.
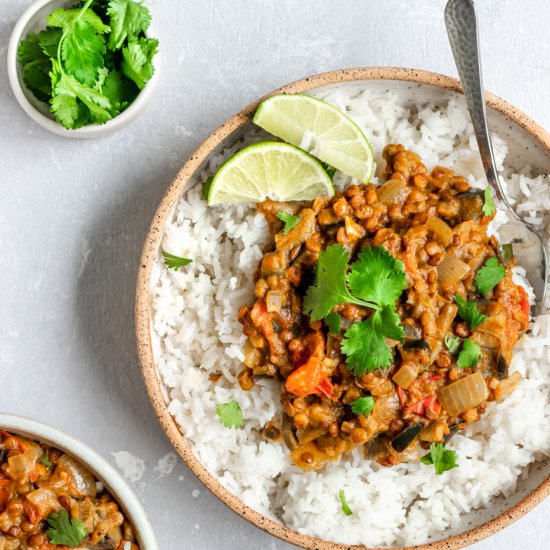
106	294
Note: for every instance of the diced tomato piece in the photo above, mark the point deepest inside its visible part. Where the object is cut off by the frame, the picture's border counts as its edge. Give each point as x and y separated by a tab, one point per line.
311	377
261	318
434	377
325	387
4	493
427	406
32	511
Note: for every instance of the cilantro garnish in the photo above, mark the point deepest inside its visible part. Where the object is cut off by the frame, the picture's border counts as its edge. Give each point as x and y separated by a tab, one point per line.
376	281
330	170
453	343
469	355
469	312
329	288
46	461
64	530
443	459
175	262
489	275
334	322
87	68
488	207
289	220
365	345
345	508
231	415
377	276
363	405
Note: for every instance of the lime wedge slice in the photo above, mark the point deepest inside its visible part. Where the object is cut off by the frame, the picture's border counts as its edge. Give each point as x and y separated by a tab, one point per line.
320	129
269	169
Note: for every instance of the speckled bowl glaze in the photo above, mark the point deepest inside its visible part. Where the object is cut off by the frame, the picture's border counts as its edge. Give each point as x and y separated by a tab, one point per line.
101	469
528	144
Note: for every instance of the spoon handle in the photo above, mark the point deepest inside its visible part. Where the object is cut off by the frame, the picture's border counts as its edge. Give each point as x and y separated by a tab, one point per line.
462	28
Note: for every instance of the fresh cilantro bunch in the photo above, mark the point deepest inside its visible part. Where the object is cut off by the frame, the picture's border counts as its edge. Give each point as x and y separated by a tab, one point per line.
91	61
375	280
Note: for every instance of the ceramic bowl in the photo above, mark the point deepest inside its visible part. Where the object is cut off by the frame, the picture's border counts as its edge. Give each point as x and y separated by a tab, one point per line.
100	468
528	144
34	20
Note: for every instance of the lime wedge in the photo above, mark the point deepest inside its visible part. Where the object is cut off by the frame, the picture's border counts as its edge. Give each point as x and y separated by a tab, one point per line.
269	169
320	129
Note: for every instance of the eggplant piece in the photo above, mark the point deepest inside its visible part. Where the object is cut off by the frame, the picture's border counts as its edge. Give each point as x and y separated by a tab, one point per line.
502	368
471	204
375	449
289	433
453	429
420	343
412	332
401	441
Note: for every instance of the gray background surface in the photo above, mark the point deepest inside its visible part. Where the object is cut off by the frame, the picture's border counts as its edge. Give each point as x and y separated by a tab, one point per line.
73	214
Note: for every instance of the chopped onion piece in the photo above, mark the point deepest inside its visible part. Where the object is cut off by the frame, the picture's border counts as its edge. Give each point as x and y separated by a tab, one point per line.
442	232
393	192
451	270
507	385
274	301
405	375
466	393
80	482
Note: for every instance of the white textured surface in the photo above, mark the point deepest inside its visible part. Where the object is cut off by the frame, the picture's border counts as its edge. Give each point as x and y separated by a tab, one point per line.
73	215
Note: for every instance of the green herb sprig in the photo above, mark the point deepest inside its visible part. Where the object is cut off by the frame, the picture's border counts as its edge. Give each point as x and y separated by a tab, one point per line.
443	459
64	530
91	61
375	280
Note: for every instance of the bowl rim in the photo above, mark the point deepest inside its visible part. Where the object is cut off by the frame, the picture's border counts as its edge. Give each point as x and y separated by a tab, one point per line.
101	469
86	132
143	318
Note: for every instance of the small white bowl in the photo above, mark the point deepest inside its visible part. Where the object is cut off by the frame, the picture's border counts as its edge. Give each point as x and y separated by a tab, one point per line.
99	467
34	20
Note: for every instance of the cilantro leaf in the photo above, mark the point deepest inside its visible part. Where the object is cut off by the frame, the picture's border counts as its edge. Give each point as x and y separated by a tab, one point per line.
345	508
137	60
377	276
82	51
334	322
453	343
175	262
469	355
488	207
231	415
329	288
128	19
443	459
46	461
65	531
119	90
72	102
289	220
469	312
36	67
489	275
65	19
364	343
49	40
363	405
330	170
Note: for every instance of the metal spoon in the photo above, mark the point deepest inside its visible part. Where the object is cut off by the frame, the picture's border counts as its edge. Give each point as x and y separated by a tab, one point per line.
461	23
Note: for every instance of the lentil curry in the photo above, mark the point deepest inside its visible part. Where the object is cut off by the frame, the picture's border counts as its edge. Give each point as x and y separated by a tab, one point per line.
436	227
39	485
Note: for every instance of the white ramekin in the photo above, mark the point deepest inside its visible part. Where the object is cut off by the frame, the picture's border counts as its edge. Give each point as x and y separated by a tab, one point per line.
101	469
34	20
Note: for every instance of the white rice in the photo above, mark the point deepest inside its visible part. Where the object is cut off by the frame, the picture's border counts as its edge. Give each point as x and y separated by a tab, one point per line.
197	332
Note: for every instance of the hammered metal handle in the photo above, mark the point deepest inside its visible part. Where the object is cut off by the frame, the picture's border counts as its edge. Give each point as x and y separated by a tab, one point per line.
462	28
